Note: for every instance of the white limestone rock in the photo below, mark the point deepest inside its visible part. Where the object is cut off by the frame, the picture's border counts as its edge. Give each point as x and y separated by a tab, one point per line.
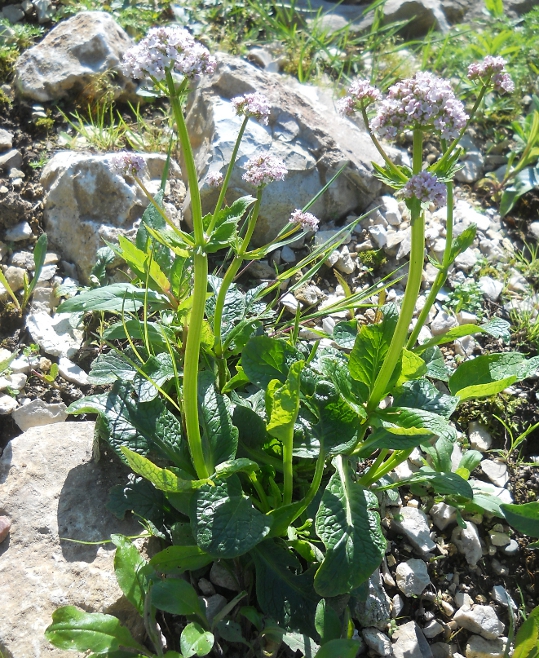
443	515
51	488
468	543
55	336
478	647
480	437
38	413
72	55
480	619
496	471
410	642
413	523
412	577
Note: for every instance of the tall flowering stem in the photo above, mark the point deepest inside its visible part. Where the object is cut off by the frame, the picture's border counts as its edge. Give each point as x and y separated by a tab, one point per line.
417	257
200	287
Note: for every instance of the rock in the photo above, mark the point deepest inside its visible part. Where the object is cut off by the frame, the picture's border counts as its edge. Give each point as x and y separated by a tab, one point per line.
10	159
413	524
375	611
304	130
54	335
18	232
13	13
46	475
512	548
13	209
288	255
213	605
502	596
516	282
480	438
442	650
377	641
478	647
38	413
533	228
307	294
378	236
410	642
7	37
86	203
473	162
499	539
72	372
480	619
442	323
466	260
6	138
290	302
221	576
5	526
346	263
72	55
463	600
15	277
389	207
432	629
496	472
7	404
412	577
397	606
44	9
465	346
468	543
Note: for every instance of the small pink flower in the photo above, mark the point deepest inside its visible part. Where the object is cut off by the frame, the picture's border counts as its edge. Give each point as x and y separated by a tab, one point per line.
492	69
305	220
166	49
127	164
264	169
424	101
253	105
214	179
427	188
360	94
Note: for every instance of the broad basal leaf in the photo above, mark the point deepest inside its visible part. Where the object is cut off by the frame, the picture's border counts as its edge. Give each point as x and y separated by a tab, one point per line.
338	423
224	522
524	518
137	495
421	394
131	571
404	421
179	559
195	641
74	629
163	479
176	596
283	592
264	359
349	527
527	638
116	297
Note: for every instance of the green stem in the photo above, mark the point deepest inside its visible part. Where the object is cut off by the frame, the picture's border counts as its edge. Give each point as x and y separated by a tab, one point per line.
417	257
373	468
200	287
442	273
228	174
231	273
288	469
396	458
260	491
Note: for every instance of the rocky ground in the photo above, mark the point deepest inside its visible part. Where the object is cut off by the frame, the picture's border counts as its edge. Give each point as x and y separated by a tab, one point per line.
442	590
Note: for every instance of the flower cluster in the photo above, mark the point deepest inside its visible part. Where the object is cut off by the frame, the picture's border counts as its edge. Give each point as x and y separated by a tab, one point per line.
127	164
167	48
420	102
360	94
305	220
214	179
264	169
253	105
492	68
427	188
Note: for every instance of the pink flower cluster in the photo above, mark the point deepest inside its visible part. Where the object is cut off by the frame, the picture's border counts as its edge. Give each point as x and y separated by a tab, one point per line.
493	69
167	48
420	102
214	179
127	164
264	169
306	220
360	94
427	188
253	105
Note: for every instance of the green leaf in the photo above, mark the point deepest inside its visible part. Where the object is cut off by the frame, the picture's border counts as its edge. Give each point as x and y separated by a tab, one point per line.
219	436
413	367
345	333
242	465
496	327
153	375
463	241
139	426
370	349
161	478
334	366
231	631
116	297
195	641
527	638
176	596
283	592
338	424
226	223
303	643
339	649
283	404
350	530
136	329
131	571
153	219
327	622
75	630
224	522
264	359
381	439
448	483
107	368
421	394
40	252
489	374
137	495
436	367
142	264
524	518
178	559
404	421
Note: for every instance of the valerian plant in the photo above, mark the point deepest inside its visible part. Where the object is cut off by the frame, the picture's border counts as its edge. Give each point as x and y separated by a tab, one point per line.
253	448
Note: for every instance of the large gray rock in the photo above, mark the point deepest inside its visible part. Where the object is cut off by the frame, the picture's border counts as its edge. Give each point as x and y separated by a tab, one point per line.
72	55
375	611
86	203
51	488
304	130
410	642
